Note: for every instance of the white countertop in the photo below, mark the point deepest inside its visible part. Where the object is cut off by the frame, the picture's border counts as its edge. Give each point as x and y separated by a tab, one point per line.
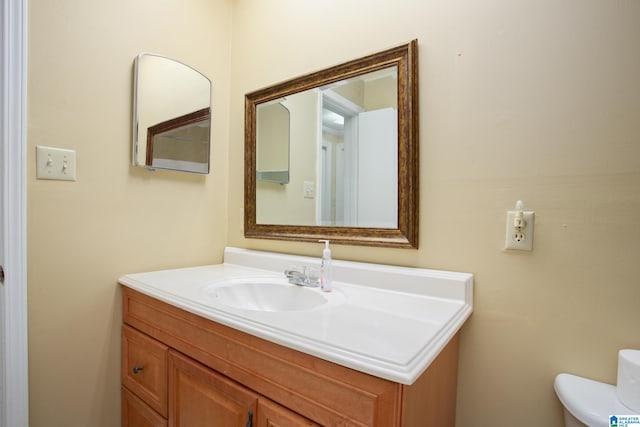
386	321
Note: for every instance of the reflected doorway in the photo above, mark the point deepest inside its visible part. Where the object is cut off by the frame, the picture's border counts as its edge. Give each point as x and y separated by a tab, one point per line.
358	167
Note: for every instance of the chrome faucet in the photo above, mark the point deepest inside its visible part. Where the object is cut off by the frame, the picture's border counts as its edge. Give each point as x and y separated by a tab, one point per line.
302	277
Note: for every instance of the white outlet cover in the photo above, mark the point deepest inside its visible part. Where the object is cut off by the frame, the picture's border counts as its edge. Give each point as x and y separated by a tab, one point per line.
521	240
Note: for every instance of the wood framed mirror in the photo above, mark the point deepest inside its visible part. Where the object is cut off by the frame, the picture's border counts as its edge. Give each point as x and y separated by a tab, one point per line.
352	142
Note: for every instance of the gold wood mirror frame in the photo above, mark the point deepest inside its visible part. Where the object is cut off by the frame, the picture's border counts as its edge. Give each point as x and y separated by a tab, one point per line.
405	234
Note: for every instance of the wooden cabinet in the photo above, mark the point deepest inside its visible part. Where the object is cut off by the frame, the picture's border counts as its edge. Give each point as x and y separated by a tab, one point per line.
173	385
216	374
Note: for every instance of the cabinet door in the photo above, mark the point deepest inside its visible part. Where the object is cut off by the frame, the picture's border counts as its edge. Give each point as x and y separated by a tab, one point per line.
135	413
200	397
271	414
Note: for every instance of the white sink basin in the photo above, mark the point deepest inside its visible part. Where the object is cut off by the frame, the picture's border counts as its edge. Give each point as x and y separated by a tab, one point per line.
259	295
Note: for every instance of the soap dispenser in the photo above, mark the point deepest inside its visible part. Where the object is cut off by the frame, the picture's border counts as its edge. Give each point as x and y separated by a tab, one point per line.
326	275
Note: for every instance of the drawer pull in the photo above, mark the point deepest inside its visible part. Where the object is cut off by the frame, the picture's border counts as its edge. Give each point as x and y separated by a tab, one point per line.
250	420
137	369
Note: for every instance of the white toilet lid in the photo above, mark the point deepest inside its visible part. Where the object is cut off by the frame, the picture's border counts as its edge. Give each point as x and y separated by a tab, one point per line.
589	401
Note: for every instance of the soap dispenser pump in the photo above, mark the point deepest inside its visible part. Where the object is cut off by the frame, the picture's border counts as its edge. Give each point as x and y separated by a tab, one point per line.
326	275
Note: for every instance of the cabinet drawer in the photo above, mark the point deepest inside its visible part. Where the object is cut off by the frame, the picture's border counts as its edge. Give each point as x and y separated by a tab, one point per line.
144	368
135	413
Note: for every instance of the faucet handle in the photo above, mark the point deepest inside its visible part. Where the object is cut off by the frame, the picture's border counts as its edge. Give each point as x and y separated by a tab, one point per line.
295	275
312	276
303	275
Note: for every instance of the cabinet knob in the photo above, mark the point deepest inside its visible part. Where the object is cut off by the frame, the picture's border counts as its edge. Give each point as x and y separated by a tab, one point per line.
137	369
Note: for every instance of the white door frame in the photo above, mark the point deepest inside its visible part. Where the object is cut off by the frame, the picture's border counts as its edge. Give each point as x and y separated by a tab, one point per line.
14	407
332	101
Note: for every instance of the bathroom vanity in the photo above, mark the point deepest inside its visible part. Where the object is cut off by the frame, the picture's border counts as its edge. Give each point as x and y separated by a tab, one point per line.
237	345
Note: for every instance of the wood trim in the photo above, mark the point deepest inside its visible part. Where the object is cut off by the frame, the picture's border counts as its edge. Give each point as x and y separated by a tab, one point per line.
405	57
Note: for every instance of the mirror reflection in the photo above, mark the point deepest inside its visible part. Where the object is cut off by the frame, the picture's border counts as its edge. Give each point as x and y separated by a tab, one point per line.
272	142
352	154
345	154
172	115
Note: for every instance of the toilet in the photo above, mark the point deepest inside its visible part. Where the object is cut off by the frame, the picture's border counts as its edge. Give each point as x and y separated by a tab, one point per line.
591	403
587	402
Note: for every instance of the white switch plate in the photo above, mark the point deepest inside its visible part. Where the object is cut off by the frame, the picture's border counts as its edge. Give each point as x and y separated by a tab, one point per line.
309	190
522	239
55	163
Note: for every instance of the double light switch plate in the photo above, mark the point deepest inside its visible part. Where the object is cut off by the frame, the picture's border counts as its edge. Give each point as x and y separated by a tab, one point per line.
55	163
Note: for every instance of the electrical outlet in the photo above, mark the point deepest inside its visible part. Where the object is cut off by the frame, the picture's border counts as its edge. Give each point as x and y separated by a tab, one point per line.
520	238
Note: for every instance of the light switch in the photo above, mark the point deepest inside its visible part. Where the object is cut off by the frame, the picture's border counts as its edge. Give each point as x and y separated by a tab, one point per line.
55	163
309	190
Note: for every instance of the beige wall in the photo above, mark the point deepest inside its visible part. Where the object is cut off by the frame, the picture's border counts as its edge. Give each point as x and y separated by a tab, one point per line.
304	138
537	100
272	137
114	219
532	100
381	93
303	110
